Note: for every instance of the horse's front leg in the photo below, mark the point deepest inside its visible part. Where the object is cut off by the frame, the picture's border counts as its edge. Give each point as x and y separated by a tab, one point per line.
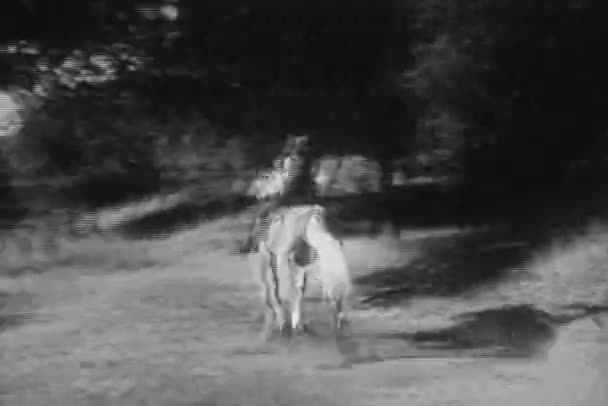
282	309
273	312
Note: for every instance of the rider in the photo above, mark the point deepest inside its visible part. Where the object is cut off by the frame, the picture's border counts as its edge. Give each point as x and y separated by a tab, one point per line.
296	161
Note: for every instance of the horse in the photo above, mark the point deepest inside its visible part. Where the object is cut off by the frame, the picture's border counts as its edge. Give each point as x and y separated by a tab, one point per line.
297	237
268	183
330	174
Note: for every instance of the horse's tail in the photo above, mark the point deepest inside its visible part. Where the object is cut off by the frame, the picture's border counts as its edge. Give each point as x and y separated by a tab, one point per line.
333	267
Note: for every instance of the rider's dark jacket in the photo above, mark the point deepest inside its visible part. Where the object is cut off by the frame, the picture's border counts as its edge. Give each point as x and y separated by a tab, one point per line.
298	189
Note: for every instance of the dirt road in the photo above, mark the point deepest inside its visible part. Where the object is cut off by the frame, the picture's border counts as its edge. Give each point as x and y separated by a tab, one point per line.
183	333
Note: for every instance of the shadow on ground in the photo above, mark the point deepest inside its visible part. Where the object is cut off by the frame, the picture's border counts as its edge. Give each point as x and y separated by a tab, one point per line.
437	205
22	200
448	266
594	311
11	209
183	216
423	205
11	310
12	320
519	331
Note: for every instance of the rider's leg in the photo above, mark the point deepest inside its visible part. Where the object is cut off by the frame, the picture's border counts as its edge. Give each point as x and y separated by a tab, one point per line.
258	224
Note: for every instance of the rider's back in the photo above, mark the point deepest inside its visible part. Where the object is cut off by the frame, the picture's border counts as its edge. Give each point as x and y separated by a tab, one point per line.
297	164
294	187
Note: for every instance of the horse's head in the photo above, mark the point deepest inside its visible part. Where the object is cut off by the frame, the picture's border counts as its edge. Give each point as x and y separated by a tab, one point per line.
267	183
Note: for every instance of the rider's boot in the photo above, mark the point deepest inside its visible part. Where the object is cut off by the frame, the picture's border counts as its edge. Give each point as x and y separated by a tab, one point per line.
249	245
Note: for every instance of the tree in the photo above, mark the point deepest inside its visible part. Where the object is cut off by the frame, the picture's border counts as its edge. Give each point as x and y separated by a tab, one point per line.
507	78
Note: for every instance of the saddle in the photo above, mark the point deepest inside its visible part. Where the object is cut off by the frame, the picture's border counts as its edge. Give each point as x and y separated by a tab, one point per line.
303	254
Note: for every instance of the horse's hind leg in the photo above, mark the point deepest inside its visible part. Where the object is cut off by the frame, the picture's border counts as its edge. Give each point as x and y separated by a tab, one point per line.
334	273
298	297
286	291
339	315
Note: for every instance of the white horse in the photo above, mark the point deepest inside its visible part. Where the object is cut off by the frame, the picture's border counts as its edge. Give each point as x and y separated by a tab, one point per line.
331	174
267	183
282	270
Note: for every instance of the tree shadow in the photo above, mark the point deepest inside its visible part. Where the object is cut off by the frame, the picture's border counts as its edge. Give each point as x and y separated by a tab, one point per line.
12	211
415	205
418	206
515	331
512	331
368	213
448	266
22	201
508	331
435	204
102	190
8	321
8	317
594	311
186	215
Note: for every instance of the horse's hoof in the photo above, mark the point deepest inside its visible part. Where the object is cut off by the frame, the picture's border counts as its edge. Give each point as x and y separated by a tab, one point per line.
342	325
299	329
286	331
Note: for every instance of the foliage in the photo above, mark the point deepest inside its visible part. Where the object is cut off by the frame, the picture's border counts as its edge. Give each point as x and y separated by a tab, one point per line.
505	80
170	87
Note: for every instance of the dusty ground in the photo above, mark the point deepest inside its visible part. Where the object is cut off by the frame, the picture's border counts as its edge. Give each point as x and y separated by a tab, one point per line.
174	322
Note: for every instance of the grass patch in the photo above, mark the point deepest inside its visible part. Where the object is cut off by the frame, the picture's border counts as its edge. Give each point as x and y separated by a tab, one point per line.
38	253
572	270
41	248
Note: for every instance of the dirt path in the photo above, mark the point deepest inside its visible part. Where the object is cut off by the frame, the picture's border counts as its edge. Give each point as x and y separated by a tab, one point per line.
184	335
